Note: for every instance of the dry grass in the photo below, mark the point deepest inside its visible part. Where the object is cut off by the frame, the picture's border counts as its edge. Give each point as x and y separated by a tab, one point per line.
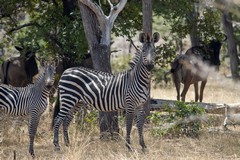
213	144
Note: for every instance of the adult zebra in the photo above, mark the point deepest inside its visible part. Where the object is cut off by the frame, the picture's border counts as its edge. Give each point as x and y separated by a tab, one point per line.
31	100
107	92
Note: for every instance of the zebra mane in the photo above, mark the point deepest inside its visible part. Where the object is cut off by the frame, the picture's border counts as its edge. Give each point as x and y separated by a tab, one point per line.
40	76
134	61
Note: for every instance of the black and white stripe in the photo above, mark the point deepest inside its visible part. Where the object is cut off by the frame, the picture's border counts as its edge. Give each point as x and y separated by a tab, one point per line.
127	90
31	100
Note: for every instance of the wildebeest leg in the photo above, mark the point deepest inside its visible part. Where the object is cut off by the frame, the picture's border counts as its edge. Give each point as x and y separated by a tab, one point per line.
177	83
196	91
129	121
203	84
33	124
184	92
66	122
140	122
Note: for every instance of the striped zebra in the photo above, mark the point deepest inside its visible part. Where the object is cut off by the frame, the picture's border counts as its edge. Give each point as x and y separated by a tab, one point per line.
31	100
127	90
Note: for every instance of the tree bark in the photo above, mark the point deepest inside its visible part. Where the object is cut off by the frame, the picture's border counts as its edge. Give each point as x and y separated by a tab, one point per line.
193	33
232	48
100	52
147	16
147	29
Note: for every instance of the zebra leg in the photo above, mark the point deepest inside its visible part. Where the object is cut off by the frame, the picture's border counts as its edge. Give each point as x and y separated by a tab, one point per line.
33	124
57	122
66	122
140	122
129	120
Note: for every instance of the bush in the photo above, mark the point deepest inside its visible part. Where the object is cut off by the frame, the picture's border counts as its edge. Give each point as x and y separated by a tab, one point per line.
184	120
87	120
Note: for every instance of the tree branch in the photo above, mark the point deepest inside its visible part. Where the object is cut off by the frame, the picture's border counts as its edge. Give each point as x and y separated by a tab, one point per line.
24	25
115	10
105	22
97	10
109	2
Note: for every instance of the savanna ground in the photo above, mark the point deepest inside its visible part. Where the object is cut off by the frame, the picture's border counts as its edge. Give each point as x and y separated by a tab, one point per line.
213	143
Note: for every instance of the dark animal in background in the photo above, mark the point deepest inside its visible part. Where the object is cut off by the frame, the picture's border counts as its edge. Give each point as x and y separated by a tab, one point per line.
19	71
193	66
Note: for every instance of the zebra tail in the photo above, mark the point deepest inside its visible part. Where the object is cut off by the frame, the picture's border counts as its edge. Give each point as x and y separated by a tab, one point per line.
56	109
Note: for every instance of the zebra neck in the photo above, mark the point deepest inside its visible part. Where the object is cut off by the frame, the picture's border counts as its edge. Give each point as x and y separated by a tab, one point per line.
45	91
141	75
141	71
42	88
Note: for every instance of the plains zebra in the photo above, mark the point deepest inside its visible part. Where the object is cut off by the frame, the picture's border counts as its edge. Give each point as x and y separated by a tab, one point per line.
107	92
30	100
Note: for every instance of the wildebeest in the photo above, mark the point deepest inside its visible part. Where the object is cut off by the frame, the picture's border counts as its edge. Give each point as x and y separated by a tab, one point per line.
19	71
193	66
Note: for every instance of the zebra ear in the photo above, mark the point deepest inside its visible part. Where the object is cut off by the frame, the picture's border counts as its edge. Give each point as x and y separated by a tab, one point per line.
142	37
156	37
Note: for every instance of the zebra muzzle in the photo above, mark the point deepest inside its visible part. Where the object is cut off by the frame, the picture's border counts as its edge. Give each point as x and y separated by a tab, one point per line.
149	67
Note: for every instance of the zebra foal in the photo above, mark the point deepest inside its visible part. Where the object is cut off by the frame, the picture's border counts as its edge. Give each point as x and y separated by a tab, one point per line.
30	100
127	90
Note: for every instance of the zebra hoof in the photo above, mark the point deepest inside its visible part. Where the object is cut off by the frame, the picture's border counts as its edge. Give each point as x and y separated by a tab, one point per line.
130	148
57	148
67	144
32	153
144	150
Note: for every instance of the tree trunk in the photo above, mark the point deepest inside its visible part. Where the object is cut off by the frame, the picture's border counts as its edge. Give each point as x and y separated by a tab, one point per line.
193	33
147	16
101	61
232	48
147	29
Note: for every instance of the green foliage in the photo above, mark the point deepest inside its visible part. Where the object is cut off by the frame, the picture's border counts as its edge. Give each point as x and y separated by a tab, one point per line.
208	25
158	77
120	63
185	119
165	53
42	24
46	28
129	20
184	15
87	120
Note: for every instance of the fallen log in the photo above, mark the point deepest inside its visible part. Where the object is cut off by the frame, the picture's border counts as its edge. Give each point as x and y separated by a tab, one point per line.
213	108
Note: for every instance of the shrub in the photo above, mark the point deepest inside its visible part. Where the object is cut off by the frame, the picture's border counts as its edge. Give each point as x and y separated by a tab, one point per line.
87	120
183	120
